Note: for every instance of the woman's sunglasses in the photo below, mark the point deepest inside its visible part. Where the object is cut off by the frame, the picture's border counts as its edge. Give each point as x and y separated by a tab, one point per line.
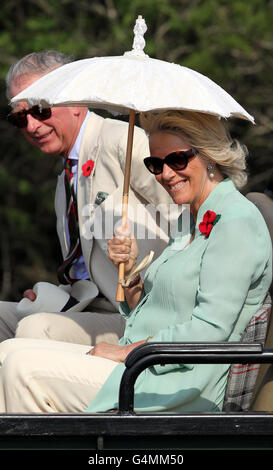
19	119
177	160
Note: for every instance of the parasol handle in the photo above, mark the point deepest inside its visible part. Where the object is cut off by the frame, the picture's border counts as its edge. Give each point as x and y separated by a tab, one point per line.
120	297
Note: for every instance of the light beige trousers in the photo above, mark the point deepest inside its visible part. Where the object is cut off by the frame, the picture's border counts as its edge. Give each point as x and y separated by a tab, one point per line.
75	327
39	376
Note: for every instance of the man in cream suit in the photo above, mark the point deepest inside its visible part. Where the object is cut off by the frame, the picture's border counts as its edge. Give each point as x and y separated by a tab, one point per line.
98	148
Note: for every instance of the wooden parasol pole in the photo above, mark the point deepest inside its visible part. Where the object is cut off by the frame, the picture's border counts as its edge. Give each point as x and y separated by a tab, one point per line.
120	290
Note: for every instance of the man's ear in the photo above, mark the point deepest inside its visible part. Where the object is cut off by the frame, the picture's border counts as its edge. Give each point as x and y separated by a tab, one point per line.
76	110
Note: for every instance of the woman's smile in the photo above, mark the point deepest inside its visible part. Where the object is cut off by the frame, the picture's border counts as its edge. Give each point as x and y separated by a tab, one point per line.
177	185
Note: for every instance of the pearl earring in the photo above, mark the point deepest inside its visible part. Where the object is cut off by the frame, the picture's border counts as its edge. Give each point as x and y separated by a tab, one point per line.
210	170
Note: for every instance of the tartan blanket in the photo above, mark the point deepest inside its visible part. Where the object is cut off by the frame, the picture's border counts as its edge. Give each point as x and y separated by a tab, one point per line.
242	377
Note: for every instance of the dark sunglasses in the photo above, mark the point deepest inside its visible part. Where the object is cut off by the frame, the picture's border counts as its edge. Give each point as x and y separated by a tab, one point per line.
19	119
177	160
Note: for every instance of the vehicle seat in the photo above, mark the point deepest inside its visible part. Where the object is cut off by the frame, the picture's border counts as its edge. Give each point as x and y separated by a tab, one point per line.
265	205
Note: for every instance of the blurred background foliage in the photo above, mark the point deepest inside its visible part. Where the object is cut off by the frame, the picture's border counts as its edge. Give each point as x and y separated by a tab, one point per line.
231	41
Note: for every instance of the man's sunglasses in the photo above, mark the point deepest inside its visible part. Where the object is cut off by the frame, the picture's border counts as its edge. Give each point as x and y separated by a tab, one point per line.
19	119
177	160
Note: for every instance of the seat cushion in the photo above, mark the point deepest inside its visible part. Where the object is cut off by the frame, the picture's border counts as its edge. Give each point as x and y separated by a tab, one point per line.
242	377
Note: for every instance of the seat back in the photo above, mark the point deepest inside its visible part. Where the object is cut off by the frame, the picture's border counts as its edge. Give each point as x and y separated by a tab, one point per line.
265	375
265	205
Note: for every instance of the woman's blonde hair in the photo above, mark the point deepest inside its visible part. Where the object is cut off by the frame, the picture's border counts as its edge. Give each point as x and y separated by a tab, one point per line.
208	134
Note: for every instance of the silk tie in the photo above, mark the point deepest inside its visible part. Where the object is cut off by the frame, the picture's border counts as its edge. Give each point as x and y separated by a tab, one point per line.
72	217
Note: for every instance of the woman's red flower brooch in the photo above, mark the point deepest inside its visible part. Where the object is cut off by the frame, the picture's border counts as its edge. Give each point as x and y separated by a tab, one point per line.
87	168
209	220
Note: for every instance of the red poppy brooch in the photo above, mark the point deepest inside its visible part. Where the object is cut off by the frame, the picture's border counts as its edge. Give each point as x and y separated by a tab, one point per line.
209	220
87	168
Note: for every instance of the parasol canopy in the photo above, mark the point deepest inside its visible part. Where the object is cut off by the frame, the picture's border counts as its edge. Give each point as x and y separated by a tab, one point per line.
133	81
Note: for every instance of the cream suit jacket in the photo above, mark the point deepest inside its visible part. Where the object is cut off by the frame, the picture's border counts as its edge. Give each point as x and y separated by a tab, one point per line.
104	141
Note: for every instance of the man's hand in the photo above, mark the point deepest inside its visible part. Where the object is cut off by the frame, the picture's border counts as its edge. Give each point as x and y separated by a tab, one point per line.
30	294
112	351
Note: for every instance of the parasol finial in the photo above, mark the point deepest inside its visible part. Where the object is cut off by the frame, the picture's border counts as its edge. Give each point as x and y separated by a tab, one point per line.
139	41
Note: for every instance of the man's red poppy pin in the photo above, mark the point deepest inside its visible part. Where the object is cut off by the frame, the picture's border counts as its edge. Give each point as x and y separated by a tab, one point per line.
209	220
87	168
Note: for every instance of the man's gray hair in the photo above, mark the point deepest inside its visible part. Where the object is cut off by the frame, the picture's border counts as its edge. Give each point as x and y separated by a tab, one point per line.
36	63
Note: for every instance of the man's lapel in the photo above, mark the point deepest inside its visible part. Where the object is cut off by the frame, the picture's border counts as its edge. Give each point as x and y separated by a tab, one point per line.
85	197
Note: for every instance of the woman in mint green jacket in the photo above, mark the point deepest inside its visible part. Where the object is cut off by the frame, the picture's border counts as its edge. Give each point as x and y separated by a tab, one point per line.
207	290
206	286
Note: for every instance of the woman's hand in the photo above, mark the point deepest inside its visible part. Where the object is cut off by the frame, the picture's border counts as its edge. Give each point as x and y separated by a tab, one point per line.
112	351
122	248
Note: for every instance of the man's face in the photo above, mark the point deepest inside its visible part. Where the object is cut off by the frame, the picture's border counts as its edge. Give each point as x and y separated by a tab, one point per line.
56	135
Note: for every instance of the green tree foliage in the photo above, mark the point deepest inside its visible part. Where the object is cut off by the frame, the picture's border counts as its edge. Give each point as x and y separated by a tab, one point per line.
228	40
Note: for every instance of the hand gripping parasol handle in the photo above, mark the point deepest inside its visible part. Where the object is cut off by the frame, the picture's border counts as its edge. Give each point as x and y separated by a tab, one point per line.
120	290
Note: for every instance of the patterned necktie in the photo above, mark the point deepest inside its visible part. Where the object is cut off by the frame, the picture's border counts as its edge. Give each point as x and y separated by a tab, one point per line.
72	217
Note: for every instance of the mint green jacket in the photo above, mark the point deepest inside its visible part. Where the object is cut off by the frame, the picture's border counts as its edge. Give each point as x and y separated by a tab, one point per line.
207	291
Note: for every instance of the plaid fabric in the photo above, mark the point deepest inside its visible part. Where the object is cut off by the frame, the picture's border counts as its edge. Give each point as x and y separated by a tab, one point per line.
242	377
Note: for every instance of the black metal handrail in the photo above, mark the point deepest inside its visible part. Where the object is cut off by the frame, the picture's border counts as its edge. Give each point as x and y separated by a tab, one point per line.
150	354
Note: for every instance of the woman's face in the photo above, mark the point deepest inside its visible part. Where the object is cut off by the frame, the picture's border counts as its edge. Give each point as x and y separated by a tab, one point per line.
189	186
